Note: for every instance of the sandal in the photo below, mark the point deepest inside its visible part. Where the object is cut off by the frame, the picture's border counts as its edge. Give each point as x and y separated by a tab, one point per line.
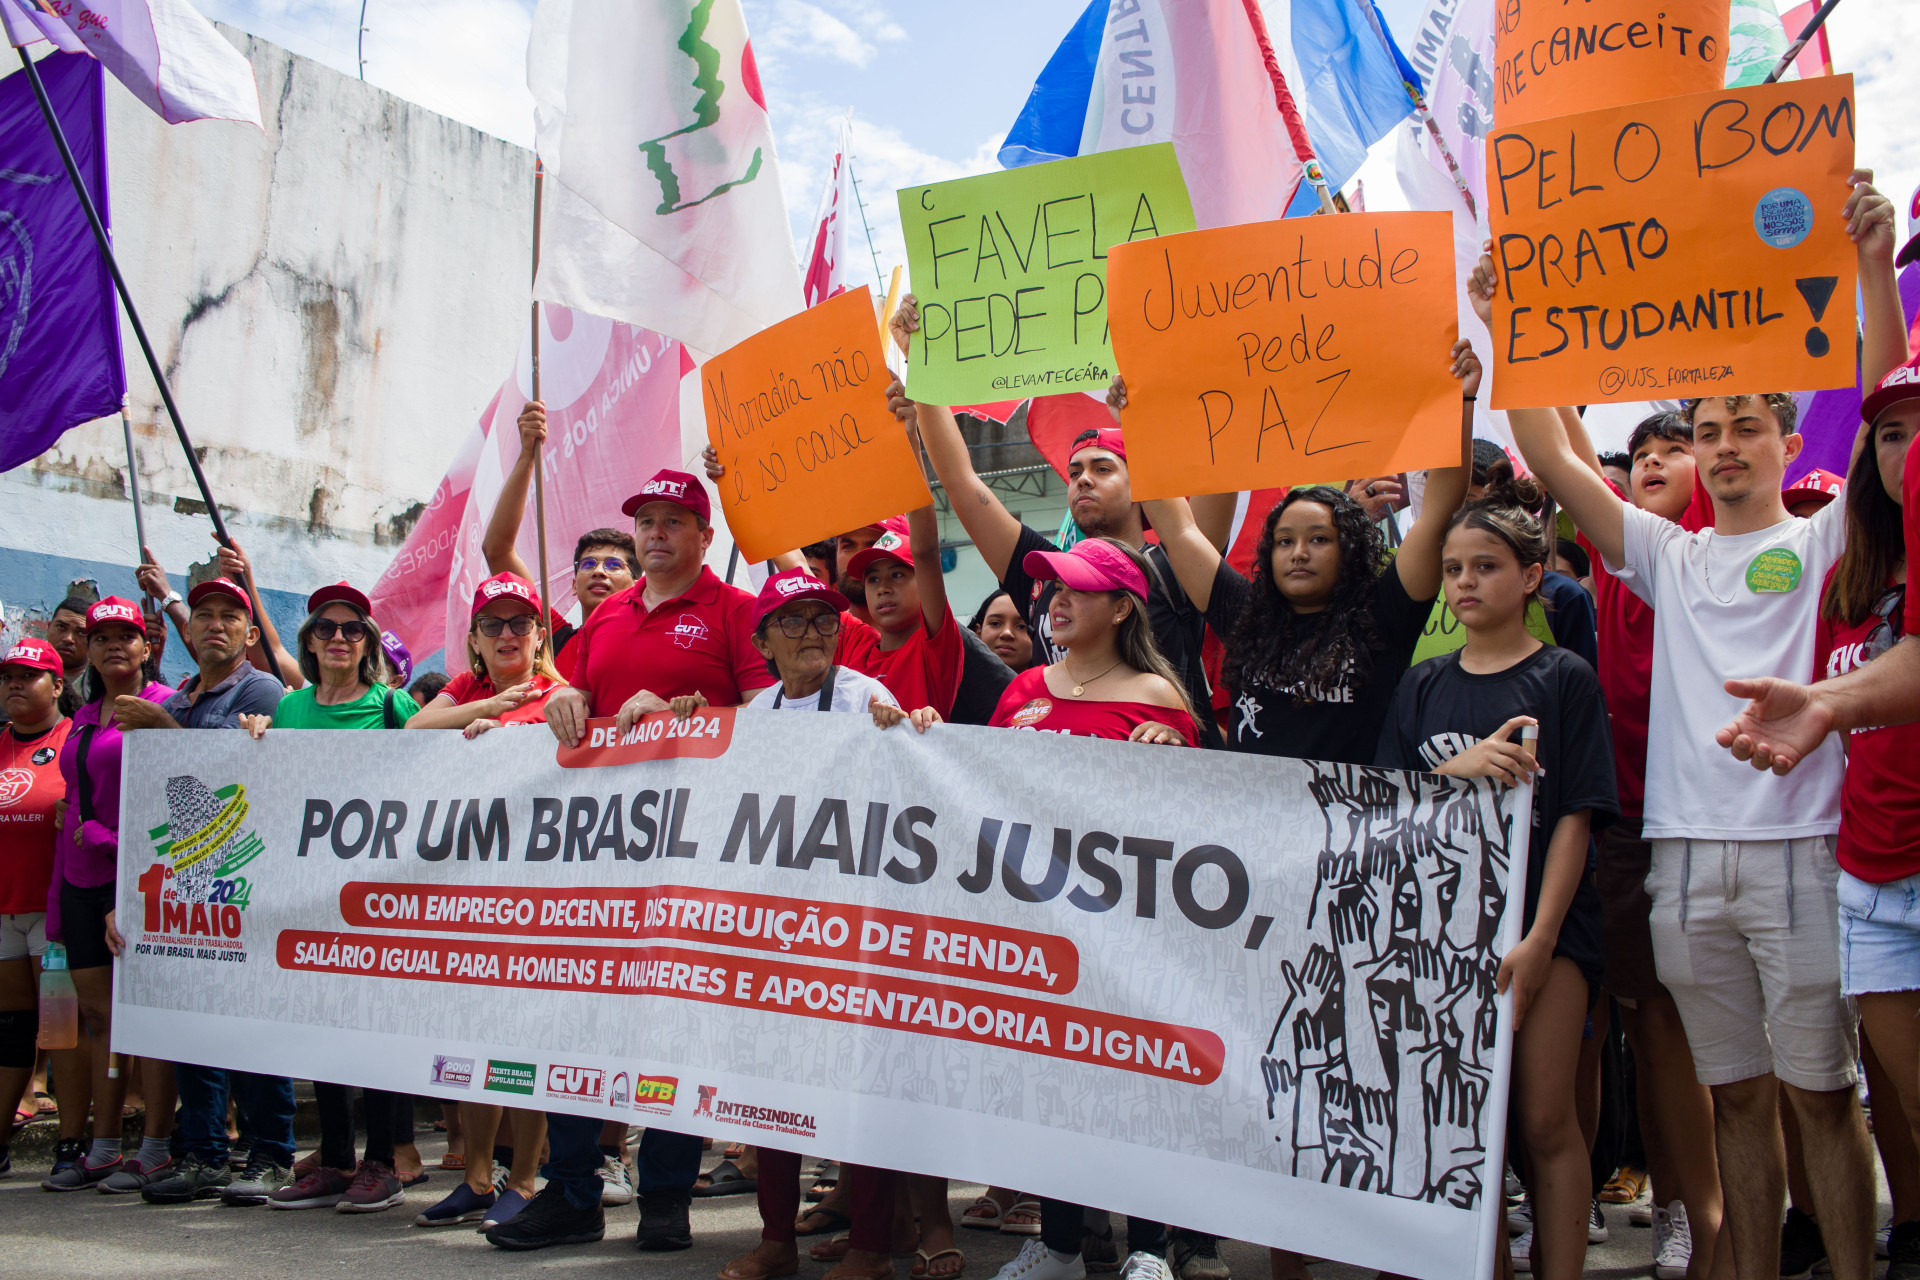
725	1180
825	1179
984	1214
834	1250
453	1160
847	1271
923	1264
733	1151
43	1103
751	1266
818	1222
1022	1218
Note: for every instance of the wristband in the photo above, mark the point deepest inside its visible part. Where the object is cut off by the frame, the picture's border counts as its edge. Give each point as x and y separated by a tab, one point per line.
1469	397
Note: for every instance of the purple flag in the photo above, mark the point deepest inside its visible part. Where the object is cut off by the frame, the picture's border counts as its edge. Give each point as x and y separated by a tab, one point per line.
1830	420
59	329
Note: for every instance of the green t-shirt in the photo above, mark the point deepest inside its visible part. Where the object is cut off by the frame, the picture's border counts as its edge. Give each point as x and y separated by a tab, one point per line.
298	710
1444	634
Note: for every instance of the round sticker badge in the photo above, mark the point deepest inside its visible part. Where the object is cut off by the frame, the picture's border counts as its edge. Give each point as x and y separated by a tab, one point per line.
1774	571
1031	714
43	756
1783	217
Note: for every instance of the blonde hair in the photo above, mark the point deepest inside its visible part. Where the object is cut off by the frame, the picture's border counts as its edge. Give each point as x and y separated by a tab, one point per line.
542	653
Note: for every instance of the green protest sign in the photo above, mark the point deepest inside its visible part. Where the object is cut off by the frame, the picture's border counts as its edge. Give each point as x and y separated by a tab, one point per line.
1011	270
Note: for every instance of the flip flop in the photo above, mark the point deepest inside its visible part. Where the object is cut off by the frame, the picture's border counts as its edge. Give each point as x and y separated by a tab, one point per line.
834	1250
923	1264
820	1222
733	1151
453	1160
416	1179
43	1103
847	1271
825	1179
748	1267
1029	1211
725	1180
984	1214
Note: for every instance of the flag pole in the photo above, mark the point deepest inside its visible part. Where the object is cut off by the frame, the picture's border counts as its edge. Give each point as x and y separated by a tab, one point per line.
126	298
133	478
539	463
1807	33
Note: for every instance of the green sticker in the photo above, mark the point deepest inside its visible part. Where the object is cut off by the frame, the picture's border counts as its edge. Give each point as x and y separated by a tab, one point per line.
509	1077
1776	570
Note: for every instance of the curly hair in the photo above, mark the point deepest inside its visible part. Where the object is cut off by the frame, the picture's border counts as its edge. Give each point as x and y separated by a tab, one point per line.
1267	646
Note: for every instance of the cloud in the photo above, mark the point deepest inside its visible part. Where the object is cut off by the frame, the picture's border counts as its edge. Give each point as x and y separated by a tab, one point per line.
804	30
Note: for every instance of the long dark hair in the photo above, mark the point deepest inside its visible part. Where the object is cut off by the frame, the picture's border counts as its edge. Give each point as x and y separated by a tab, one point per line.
1875	543
1266	646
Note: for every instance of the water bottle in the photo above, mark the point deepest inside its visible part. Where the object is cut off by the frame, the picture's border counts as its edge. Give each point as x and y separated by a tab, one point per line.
59	1006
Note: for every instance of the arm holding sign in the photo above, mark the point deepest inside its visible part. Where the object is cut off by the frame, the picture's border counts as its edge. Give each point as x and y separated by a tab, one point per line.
503	527
923	532
1418	561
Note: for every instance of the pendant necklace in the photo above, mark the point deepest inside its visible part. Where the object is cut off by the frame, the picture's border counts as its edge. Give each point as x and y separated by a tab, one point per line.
1080	686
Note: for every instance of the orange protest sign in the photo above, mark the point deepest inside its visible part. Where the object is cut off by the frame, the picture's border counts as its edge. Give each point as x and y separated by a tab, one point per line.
1281	353
798	414
1679	248
1562	57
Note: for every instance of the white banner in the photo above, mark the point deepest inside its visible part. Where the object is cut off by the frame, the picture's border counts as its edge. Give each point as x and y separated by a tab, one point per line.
1249	996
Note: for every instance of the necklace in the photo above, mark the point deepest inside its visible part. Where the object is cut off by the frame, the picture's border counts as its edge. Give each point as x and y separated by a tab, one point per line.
1080	686
1706	566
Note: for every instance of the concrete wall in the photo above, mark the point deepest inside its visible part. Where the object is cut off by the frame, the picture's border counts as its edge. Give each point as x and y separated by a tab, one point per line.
334	300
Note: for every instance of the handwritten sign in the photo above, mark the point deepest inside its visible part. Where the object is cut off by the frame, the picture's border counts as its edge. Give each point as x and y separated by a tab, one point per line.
1686	247
1011	270
1561	57
798	414
1281	353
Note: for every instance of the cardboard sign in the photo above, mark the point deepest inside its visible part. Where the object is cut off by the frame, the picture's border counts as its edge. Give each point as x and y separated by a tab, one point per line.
1557	58
1011	270
1283	353
1692	246
798	414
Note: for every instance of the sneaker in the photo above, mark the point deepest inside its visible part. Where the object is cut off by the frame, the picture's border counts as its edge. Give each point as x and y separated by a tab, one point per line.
550	1219
80	1175
505	1205
1627	1185
134	1176
462	1204
375	1186
1099	1252
1801	1248
193	1179
1672	1242
1522	1250
66	1154
1640	1212
1196	1256
1037	1262
1520	1216
320	1189
616	1184
1903	1252
262	1176
664	1225
238	1154
1596	1225
1882	1239
1141	1265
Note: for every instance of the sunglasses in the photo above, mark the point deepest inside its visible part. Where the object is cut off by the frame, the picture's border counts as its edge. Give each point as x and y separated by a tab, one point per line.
490	626
355	632
826	624
612	564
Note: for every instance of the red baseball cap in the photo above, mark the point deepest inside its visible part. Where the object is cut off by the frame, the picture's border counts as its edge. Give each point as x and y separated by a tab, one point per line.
221	587
115	609
1911	249
892	524
504	586
893	545
794	584
1093	564
1815	484
1903	383
340	593
37	654
1108	438
677	487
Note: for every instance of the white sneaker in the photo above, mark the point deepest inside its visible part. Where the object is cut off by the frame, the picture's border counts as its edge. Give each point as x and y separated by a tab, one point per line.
1640	1212
616	1184
1522	1250
1596	1225
1141	1265
1672	1242
1037	1262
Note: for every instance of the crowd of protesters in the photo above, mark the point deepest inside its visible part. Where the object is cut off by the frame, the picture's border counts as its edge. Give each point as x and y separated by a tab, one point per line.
1750	930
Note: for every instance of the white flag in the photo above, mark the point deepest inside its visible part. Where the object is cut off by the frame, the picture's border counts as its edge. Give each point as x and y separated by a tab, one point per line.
164	51
651	113
827	246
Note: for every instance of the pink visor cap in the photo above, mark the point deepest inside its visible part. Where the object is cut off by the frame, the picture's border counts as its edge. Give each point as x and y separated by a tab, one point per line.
794	584
1092	565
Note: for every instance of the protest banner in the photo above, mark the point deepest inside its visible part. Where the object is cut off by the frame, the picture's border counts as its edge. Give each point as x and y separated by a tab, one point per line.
1559	59
1272	1019
1685	247
1284	353
1010	270
798	414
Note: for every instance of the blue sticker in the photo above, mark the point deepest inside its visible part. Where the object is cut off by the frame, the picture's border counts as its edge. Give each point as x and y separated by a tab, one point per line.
1783	217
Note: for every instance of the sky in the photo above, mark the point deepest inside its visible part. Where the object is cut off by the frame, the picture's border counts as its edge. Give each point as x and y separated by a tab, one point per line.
933	85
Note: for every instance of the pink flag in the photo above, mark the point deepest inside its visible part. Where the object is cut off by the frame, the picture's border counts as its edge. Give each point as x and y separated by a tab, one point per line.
613	419
826	257
163	51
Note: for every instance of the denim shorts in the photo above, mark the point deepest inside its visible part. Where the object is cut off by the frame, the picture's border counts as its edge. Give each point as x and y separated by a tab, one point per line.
1879	935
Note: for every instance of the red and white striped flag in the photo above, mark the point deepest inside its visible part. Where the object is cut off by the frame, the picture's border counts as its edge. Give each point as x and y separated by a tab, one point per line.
827	250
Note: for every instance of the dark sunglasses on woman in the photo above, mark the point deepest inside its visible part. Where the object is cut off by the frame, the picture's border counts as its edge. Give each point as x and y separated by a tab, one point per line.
355	632
520	624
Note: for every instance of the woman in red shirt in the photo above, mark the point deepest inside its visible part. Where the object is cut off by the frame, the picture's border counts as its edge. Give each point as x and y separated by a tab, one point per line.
511	672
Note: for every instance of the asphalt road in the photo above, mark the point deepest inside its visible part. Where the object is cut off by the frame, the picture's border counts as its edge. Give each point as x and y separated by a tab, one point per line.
83	1234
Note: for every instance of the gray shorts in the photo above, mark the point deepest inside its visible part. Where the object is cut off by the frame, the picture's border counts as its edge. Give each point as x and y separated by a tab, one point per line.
1746	936
23	935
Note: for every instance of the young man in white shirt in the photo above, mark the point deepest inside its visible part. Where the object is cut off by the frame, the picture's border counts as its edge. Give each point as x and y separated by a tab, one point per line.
1745	917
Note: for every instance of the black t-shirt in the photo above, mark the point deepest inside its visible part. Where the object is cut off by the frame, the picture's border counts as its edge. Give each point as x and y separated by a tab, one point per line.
982	680
1440	710
1177	626
1571	616
1341	723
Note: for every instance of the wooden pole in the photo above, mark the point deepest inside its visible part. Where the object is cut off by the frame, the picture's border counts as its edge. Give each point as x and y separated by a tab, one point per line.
539	463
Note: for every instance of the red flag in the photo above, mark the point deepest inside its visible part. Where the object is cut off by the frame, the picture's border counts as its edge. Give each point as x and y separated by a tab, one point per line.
826	258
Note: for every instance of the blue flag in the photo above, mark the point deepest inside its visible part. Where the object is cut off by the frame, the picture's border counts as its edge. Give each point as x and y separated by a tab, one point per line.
59	330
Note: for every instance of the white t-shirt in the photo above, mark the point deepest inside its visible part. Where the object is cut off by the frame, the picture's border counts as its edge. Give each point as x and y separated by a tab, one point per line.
851	692
1727	608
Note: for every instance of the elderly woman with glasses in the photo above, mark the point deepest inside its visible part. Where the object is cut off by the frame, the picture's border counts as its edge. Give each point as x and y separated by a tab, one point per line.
510	671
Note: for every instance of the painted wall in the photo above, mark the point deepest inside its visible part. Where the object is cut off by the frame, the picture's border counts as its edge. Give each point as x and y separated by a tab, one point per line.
334	300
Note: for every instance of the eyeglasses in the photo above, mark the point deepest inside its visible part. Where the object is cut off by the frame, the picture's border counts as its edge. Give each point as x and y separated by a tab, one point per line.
612	564
490	626
355	632
826	624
